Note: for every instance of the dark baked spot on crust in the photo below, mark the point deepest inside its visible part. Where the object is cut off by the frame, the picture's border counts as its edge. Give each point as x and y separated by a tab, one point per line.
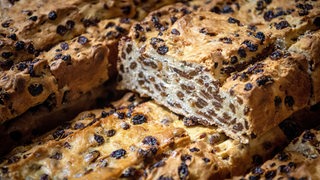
277	101
289	101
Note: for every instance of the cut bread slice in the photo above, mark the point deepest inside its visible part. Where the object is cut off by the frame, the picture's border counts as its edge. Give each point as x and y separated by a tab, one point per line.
216	69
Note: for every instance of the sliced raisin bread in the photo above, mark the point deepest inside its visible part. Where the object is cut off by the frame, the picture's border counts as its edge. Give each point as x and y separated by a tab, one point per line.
219	74
70	69
137	139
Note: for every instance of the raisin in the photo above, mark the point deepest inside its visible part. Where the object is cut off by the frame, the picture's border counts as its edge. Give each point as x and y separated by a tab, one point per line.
261	36
56	156
139	119
129	172
6	64
270	174
99	139
5	24
175	32
33	18
79	126
30	49
58	133
263	80
126	10
149	140
70	24
117	154
186	157
227	9
242	52
61	30
226	40
282	156
6	55
162	50
121	29
64	46
233	20
183	171
165	178
35	89
82	40
257	171
234	59
277	101
252	47
248	86
282	25
12	36
206	160
308	136
276	55
194	149
44	177
316	21
289	101
52	15
19	45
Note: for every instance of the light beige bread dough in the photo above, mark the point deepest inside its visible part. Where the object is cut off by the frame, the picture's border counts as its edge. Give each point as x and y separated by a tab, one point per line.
216	69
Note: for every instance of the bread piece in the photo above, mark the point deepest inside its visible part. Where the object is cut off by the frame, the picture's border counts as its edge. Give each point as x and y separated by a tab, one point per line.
309	45
31	26
214	74
159	145
69	70
301	153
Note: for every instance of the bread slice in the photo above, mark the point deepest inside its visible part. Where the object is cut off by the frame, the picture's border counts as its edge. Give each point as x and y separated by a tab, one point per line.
135	138
302	152
28	26
219	74
63	74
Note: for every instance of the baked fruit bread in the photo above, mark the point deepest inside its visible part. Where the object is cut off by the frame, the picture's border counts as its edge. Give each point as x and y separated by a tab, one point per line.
216	68
137	138
51	76
300	160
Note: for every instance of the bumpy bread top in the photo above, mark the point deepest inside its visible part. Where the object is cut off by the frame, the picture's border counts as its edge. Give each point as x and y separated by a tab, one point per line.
30	25
301	153
157	143
53	72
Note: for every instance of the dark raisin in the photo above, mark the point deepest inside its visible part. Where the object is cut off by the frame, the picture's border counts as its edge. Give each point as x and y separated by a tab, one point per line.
308	136
284	169
276	55
61	30
186	157
79	126
66	58
233	20
109	25
126	10
194	149
118	153
82	40
4	170
270	174
163	49
252	47
316	21
183	171
242	52
289	101
64	46
30	49
33	18
215	9
158	164
5	24
257	171
44	177
261	36
206	160
6	55
277	101
111	132
52	15
227	9
248	86
162	177
19	45
99	139
268	16
173	19
58	133
263	80
121	29
234	59
56	156
282	156
125	125
6	64
139	119
175	32
149	140
70	24
129	172
282	25
226	40
257	160
12	36
254	177
35	89
57	56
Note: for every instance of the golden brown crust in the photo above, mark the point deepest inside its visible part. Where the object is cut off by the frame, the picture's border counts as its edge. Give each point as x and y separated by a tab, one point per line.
53	73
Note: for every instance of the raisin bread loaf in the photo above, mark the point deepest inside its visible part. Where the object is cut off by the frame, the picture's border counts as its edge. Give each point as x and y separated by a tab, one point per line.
221	74
31	26
70	69
292	163
137	139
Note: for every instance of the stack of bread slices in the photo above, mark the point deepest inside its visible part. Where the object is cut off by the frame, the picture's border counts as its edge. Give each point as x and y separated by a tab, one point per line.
159	89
